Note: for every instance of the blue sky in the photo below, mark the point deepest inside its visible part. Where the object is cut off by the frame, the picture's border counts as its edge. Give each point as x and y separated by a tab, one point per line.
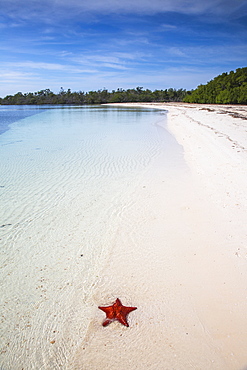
95	44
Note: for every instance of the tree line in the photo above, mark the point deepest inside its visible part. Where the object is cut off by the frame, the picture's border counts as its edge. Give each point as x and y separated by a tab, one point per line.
94	97
227	88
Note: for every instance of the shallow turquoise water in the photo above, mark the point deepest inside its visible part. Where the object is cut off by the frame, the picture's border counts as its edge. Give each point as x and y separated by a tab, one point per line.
65	175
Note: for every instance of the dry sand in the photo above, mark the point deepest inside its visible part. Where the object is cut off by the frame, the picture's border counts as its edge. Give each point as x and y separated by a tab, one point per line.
180	256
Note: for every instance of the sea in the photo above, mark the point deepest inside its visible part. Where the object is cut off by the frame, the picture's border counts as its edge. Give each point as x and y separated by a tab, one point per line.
66	173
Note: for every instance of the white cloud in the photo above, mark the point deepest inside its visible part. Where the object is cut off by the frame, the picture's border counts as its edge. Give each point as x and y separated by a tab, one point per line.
177	52
41	65
167	27
48	67
100	61
15	75
208	55
103	59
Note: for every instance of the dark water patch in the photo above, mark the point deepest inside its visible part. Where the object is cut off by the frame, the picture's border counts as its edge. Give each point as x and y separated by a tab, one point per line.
12	142
11	114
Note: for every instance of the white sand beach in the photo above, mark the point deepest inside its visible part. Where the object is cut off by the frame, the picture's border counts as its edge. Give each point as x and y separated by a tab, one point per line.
173	244
187	272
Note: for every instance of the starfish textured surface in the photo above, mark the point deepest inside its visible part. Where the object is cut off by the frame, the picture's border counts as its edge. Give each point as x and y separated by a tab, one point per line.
116	312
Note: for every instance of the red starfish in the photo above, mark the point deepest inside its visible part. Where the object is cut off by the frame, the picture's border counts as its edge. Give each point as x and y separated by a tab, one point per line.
117	312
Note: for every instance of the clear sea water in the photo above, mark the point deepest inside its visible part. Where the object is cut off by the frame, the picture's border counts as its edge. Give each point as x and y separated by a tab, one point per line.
65	174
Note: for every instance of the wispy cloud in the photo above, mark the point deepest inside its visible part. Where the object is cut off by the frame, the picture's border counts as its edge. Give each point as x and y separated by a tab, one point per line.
10	75
65	9
167	27
208	55
177	52
114	60
39	66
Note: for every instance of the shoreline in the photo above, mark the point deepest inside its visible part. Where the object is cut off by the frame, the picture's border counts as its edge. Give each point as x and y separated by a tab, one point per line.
207	133
192	276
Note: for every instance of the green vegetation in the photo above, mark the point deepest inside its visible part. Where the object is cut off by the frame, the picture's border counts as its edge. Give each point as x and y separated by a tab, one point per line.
227	88
95	97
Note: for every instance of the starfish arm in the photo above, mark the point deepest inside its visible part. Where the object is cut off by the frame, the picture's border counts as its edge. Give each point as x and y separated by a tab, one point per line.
108	311
106	322
127	310
118	302
122	319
